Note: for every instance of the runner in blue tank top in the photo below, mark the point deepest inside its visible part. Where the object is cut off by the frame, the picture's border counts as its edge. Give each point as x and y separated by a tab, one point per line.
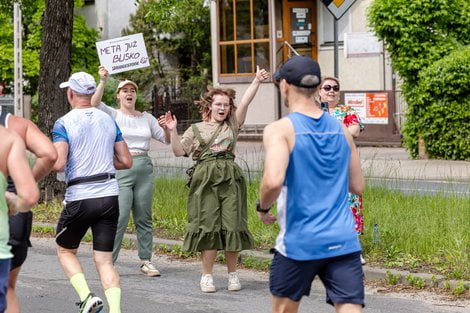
311	164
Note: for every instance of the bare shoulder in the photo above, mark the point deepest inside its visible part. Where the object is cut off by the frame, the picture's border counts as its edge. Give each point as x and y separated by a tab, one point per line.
279	127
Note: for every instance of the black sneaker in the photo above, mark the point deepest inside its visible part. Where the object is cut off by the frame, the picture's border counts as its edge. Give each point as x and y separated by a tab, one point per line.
91	304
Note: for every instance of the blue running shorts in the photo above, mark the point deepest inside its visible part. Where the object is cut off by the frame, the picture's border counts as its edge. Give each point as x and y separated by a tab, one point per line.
342	277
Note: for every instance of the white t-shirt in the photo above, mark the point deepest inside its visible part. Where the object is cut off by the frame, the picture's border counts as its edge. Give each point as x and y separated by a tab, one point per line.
136	130
90	135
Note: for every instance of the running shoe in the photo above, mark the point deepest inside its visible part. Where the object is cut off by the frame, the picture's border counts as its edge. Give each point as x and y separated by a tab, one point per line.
91	304
148	269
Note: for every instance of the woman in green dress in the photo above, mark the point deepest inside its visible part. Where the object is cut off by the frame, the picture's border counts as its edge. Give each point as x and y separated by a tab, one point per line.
217	200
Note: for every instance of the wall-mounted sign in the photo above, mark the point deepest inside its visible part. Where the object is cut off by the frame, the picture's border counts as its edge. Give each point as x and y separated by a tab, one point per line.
371	107
300	25
123	53
338	7
361	45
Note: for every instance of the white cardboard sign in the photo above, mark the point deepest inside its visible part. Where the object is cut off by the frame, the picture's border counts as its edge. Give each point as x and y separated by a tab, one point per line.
123	53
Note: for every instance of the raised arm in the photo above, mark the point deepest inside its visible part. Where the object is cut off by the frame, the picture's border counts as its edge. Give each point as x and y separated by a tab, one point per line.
96	98
27	193
250	93
162	122
171	123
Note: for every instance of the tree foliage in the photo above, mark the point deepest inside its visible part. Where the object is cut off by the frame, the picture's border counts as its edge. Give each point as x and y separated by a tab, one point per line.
84	55
177	37
443	96
418	33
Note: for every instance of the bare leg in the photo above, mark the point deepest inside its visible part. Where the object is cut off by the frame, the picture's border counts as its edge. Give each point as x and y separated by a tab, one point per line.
208	259
348	308
69	261
13	305
231	258
104	264
285	305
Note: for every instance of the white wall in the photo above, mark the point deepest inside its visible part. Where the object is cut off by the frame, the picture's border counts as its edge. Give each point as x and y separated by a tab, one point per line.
357	73
109	17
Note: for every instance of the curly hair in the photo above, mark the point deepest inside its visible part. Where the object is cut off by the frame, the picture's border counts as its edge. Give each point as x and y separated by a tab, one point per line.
206	101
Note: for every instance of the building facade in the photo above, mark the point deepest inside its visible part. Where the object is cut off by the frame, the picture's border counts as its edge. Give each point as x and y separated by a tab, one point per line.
247	33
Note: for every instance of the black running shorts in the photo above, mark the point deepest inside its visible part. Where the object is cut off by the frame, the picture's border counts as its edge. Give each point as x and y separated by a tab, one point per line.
101	214
20	231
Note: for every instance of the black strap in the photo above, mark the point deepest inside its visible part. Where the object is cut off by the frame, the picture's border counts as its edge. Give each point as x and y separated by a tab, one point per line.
90	179
3	118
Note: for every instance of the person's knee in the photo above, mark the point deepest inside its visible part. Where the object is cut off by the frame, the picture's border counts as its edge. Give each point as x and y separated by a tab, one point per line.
348	308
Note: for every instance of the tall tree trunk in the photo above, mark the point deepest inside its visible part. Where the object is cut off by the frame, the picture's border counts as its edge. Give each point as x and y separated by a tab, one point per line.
57	25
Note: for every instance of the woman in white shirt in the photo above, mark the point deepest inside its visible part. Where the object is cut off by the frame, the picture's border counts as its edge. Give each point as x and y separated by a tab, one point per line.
135	184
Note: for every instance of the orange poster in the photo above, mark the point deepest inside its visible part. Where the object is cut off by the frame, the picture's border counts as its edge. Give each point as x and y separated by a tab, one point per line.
377	106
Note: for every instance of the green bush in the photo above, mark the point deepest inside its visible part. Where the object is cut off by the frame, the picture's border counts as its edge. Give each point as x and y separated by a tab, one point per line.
442	106
418	33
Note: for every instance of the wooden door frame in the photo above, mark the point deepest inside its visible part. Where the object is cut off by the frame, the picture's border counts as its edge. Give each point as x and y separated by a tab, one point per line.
286	7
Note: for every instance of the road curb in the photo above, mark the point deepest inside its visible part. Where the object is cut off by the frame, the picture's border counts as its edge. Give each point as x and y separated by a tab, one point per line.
370	273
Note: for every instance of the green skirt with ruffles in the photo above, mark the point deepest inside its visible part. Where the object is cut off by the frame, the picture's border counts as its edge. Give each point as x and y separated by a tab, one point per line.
217	207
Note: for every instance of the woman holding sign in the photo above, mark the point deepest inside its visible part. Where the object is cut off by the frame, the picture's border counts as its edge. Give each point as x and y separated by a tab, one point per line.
329	93
135	184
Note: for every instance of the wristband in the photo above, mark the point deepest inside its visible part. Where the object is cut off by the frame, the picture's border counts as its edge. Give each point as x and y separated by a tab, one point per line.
259	209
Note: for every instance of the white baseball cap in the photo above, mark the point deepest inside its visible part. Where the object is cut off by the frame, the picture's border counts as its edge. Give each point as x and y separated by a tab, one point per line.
80	82
126	82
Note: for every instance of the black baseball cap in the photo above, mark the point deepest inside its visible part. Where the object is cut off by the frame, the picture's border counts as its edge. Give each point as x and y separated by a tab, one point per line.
300	71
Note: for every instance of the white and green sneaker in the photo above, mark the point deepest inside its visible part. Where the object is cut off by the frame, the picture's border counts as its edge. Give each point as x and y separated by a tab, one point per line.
91	304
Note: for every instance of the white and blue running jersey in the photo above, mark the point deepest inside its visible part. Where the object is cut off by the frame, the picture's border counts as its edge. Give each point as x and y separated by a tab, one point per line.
313	213
90	135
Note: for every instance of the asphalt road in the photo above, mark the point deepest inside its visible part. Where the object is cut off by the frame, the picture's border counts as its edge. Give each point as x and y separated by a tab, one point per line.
43	287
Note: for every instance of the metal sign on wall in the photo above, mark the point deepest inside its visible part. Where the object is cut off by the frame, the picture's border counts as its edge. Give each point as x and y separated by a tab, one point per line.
338	7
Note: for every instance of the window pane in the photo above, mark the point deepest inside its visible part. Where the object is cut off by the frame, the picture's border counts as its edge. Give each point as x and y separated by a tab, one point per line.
243	20
227	59
226	20
244	58
261	18
262	55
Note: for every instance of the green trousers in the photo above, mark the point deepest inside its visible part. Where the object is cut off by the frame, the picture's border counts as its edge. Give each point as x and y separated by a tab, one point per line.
135	194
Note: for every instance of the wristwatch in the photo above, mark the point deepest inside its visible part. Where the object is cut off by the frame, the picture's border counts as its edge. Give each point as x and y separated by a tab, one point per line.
259	209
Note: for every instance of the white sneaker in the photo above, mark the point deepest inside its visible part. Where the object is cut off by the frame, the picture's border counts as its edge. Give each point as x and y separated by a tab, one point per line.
207	283
148	269
234	282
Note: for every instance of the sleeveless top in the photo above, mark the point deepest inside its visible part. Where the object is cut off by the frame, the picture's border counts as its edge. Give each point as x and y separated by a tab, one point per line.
313	213
4	228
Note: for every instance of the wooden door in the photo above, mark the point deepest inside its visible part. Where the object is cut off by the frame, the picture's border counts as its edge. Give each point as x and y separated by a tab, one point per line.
299	23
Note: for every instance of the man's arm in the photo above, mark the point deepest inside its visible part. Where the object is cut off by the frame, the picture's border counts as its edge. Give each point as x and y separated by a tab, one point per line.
37	143
277	149
27	193
356	178
122	156
62	148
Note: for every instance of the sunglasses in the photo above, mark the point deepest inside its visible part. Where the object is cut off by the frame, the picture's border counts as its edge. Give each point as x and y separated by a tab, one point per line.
328	88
